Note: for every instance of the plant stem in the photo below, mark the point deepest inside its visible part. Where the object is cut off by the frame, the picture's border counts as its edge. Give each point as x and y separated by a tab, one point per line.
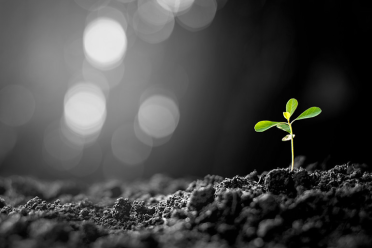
290	126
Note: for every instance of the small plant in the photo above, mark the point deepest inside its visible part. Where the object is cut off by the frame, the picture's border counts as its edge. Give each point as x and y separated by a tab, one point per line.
290	108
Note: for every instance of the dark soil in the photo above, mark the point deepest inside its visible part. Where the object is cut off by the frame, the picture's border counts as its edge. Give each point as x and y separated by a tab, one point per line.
303	208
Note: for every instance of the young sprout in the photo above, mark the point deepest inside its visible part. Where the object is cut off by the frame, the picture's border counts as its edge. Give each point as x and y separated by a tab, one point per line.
290	108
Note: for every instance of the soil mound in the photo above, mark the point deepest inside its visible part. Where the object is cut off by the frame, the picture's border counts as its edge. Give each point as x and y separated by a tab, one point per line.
277	209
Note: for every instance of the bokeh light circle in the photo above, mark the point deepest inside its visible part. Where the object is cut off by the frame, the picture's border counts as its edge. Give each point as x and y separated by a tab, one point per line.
199	16
147	139
176	6
17	105
78	139
158	116
105	43
85	109
153	23
154	14
160	35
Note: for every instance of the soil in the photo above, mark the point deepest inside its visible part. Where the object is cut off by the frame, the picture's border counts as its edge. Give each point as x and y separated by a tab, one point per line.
276	209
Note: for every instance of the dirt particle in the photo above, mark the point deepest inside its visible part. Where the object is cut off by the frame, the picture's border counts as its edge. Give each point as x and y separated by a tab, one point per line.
121	208
201	197
279	181
2	203
268	226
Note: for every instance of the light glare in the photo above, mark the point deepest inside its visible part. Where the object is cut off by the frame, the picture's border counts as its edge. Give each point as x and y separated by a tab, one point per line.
105	43
176	6
158	116
85	109
199	16
152	23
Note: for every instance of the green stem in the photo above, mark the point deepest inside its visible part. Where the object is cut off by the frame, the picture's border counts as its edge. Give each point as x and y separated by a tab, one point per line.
290	126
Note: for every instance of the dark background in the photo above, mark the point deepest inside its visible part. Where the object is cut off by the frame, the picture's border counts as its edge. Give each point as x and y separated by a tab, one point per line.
243	68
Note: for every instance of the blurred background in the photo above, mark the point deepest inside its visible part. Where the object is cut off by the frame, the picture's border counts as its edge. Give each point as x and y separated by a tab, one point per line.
99	89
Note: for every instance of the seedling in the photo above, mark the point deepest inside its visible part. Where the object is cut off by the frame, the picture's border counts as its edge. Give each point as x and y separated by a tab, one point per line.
287	127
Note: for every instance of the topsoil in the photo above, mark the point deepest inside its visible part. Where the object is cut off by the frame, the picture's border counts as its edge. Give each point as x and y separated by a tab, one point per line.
279	208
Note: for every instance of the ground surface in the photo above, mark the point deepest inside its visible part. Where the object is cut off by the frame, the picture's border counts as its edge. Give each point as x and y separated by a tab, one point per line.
280	209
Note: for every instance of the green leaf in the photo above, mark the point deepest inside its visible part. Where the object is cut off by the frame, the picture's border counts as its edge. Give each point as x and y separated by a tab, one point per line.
291	106
309	113
288	137
284	127
264	125
287	115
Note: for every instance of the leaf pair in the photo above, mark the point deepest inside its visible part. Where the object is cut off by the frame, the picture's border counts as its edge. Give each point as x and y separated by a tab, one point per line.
290	108
287	126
